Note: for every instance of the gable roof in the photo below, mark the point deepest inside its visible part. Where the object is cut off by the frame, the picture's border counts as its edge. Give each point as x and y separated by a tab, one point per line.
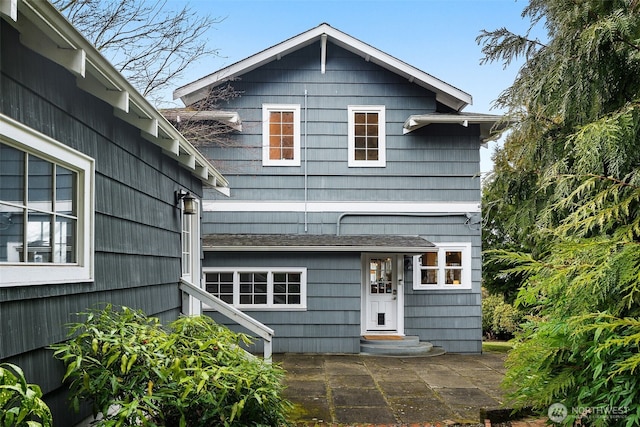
445	93
43	29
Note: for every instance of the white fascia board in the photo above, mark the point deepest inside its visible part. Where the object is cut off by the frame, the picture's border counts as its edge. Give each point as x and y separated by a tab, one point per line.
9	8
139	112
198	88
445	93
49	41
341	207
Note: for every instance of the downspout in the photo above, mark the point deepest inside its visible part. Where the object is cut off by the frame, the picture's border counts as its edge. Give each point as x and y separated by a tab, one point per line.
468	215
306	175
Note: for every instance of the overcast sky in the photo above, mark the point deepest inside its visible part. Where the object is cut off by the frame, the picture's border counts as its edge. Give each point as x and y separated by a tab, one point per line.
436	36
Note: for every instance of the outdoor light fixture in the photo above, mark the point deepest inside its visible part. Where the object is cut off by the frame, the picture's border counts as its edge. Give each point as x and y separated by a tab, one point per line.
188	202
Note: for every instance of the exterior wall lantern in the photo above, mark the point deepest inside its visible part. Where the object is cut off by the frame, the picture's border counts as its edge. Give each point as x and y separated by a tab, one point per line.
188	202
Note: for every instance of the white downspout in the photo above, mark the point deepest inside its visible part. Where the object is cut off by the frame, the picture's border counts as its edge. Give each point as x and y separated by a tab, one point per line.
306	175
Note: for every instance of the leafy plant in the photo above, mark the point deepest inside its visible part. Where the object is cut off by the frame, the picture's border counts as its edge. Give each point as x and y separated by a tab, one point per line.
499	318
21	404
489	304
567	183
192	373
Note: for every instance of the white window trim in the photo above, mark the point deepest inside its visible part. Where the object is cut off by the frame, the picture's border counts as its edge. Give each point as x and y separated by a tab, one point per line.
441	249
29	140
268	108
269	270
382	136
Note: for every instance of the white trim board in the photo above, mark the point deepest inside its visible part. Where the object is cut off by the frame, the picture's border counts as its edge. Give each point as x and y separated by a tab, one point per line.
343	206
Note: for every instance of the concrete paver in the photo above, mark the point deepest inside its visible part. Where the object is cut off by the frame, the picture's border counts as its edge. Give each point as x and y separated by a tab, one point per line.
350	390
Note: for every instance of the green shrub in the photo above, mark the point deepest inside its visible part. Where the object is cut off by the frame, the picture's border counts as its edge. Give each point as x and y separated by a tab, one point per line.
193	373
489	304
499	319
506	320
20	403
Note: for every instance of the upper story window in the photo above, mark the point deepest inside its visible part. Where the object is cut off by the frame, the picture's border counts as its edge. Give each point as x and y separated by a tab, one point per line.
280	135
367	136
446	267
46	209
259	288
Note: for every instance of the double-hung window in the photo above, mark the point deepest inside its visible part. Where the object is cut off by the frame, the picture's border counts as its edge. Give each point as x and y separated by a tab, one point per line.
280	135
259	288
46	209
366	136
447	266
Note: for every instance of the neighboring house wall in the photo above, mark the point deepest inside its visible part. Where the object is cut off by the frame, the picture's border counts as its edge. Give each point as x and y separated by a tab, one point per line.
137	226
428	173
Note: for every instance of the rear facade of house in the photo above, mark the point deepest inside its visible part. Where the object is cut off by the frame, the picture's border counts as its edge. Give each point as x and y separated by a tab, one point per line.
355	205
88	213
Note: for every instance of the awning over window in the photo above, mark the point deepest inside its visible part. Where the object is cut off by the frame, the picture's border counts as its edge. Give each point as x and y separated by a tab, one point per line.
315	243
490	124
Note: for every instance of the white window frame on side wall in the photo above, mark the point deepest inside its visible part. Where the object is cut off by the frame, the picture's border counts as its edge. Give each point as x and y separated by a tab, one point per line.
441	249
267	109
23	138
269	306
351	134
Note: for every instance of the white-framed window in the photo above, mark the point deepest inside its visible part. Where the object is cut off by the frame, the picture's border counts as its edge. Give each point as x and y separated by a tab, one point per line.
46	209
367	136
447	266
280	135
259	288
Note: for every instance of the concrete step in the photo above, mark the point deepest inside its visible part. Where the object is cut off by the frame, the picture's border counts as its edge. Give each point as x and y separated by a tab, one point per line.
407	346
406	341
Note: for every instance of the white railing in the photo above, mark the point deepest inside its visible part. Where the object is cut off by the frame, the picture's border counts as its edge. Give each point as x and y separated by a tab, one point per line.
232	313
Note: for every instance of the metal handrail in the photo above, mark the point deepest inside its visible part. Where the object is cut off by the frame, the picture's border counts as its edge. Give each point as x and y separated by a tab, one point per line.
232	313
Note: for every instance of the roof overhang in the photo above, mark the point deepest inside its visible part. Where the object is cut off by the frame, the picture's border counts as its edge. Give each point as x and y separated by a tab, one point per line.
490	125
44	30
445	93
314	243
178	115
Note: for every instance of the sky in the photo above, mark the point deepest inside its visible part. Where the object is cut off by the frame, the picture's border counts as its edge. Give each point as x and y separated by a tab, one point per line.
435	36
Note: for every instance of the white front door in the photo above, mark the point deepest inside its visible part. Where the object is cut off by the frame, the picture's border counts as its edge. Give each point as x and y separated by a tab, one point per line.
380	293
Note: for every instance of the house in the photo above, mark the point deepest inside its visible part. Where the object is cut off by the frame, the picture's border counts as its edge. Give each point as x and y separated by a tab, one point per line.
356	203
95	192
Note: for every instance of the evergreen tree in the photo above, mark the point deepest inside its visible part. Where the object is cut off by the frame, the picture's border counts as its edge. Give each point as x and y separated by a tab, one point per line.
569	172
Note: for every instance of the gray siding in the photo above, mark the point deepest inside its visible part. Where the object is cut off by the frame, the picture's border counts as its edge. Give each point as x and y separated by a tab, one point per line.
137	233
331	323
438	163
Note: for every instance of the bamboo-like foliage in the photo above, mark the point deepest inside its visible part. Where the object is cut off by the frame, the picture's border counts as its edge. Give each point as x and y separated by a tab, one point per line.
191	373
575	150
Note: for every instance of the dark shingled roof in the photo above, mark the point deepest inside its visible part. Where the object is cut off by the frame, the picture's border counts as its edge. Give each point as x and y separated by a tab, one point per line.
314	242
